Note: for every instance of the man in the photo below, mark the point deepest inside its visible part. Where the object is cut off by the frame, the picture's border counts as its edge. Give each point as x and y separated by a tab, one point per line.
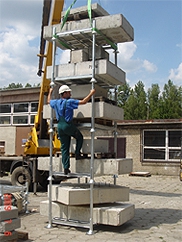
66	129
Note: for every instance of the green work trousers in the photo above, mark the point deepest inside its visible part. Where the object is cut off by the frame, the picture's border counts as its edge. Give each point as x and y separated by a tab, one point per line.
66	130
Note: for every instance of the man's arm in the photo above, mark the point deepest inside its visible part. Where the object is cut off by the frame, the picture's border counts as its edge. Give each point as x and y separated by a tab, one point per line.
49	95
87	98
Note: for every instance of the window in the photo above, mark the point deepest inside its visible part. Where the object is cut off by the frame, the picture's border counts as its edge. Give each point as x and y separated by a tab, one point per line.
18	113
5	108
20	119
20	107
32	117
161	145
34	107
5	119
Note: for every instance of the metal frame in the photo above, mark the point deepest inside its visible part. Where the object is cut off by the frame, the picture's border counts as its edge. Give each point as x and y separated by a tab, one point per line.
90	224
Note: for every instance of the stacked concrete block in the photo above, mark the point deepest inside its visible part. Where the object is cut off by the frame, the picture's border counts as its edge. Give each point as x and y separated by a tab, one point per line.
114	214
79	194
103	110
115	27
71	202
102	167
9	221
106	73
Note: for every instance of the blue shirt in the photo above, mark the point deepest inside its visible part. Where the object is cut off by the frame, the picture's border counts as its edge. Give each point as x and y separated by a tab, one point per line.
64	108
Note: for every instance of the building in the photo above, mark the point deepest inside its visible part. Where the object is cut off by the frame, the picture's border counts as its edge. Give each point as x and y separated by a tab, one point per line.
154	145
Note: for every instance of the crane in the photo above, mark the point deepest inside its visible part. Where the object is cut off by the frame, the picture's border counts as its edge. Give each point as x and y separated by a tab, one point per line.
37	143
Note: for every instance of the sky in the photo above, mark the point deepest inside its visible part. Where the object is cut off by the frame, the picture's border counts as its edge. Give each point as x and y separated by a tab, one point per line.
155	55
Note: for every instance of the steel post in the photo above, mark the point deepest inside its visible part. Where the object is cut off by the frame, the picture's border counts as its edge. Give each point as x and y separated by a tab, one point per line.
51	134
93	81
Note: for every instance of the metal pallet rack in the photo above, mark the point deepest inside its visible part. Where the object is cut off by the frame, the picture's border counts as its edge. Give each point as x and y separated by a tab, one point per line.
89	39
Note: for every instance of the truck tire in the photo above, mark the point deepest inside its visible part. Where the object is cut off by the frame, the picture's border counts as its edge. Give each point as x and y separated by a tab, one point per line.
43	180
19	177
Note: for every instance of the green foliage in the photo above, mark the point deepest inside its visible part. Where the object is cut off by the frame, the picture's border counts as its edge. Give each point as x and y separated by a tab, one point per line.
138	104
19	85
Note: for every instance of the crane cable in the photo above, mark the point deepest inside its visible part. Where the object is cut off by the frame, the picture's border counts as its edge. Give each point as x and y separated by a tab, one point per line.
70	7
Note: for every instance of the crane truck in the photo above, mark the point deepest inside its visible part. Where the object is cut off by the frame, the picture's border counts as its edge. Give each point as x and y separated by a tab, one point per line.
37	144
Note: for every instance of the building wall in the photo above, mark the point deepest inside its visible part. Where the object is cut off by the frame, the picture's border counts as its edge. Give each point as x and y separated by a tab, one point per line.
134	151
8	135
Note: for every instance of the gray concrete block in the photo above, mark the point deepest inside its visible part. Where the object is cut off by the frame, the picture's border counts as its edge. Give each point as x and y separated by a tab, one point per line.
78	56
106	73
86	54
79	194
101	166
114	27
100	53
58	210
81	91
114	214
103	110
10	225
8	214
99	146
13	236
97	10
43	163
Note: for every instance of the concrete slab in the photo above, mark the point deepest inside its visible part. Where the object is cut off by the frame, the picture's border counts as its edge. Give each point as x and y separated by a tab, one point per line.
114	214
106	73
99	146
103	110
10	225
101	166
114	27
81	91
8	214
97	10
79	194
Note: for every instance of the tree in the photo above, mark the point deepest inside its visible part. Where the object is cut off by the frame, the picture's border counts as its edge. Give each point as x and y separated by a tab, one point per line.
171	101
153	102
124	92
136	106
13	86
28	85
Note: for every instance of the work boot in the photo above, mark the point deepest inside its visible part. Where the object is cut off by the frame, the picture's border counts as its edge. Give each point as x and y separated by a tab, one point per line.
67	171
78	157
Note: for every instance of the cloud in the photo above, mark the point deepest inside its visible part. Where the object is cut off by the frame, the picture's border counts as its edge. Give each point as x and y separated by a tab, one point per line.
176	75
17	58
148	66
19	44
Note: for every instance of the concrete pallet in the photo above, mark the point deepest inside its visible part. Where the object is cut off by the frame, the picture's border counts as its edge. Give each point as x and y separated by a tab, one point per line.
101	166
114	27
106	73
79	194
114	214
10	225
103	110
8	214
